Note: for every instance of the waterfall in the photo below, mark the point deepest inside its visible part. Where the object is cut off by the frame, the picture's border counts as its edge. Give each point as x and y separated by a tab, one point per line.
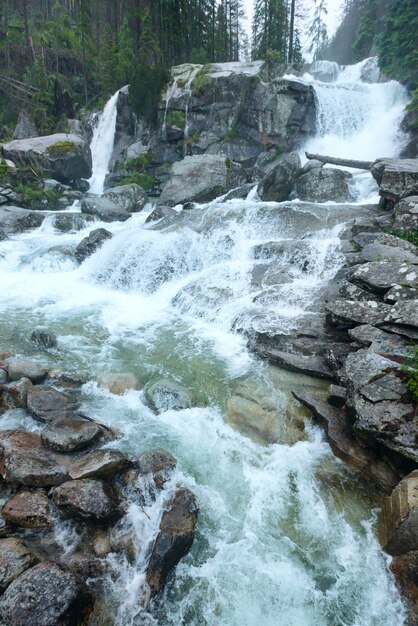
102	144
188	91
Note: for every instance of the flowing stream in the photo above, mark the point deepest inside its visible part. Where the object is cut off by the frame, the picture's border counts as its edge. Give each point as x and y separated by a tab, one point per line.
286	532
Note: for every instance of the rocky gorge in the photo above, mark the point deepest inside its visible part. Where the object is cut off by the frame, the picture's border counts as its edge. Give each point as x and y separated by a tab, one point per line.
212	333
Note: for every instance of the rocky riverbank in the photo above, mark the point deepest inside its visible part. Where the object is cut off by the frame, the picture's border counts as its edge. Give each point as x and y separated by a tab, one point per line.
63	474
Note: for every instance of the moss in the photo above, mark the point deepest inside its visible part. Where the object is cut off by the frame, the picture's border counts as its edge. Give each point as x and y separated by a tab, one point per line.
176	118
61	147
135	170
4	171
201	83
144	180
181	83
278	151
410	372
228	164
192	139
233	133
33	195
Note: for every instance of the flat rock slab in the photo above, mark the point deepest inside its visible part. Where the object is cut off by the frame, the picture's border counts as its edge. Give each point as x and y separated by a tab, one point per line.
404	313
69	434
398	523
29	509
85	499
381	252
388	387
309	365
99	464
347	313
381	277
45	595
46	403
387	345
174	540
397	178
344	445
364	366
15	558
400	293
25	368
24	460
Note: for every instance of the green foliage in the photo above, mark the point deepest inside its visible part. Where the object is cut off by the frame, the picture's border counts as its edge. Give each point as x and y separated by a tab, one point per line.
410	371
278	151
413	108
144	180
233	133
61	148
201	83
136	172
4	171
34	195
145	90
199	56
398	44
408	235
176	118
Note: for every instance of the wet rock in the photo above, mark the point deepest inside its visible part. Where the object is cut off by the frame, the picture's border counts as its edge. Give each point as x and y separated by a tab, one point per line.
158	463
405	570
406	215
323	185
344	445
44	338
325	71
3	235
349	291
381	252
3	377
277	185
24	368
101	542
240	193
337	396
105	210
28	508
348	313
46	403
400	293
131	198
86	499
398	524
70	434
174	540
165	395
161	212
118	383
310	365
397	178
8	196
15	558
381	277
201	178
24	460
253	416
91	243
15	395
99	464
60	156
25	127
45	595
14	219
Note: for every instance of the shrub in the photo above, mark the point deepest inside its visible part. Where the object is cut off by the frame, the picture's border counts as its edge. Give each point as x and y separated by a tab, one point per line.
410	371
61	147
200	83
145	91
176	118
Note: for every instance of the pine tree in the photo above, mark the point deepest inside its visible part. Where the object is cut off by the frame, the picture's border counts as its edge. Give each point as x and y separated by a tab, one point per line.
318	31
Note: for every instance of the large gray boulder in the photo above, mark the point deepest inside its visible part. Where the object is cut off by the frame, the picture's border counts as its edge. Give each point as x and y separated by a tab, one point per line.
45	595
406	215
130	198
91	243
63	157
201	178
105	210
277	185
14	219
323	185
397	178
25	127
86	499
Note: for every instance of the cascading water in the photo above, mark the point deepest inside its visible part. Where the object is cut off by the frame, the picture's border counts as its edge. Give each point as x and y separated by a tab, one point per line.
102	144
286	532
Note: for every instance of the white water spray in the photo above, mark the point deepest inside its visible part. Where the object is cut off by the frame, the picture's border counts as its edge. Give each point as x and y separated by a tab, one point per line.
102	144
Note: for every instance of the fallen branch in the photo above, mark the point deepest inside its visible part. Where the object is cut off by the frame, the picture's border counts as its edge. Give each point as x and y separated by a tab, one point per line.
360	165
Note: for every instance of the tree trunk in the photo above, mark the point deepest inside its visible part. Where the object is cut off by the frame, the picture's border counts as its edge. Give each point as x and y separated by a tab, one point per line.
291	30
360	165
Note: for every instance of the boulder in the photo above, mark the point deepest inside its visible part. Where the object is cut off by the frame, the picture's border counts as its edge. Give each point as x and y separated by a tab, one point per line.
3	235
46	403
63	157
119	383
15	395
255	416
25	127
160	212
99	464
105	210
397	178
91	243
337	396
323	185
166	395
174	540
44	338
24	368
29	509
311	365
381	277
398	523
349	313
201	178
279	181
363	366
24	460
344	445
87	499
69	434
157	464
404	313
131	198
45	595
399	292
406	215
15	220
8	196
15	558
380	252
386	344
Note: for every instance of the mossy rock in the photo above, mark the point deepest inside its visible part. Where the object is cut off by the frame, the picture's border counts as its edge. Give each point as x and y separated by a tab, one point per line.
201	83
60	148
176	119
